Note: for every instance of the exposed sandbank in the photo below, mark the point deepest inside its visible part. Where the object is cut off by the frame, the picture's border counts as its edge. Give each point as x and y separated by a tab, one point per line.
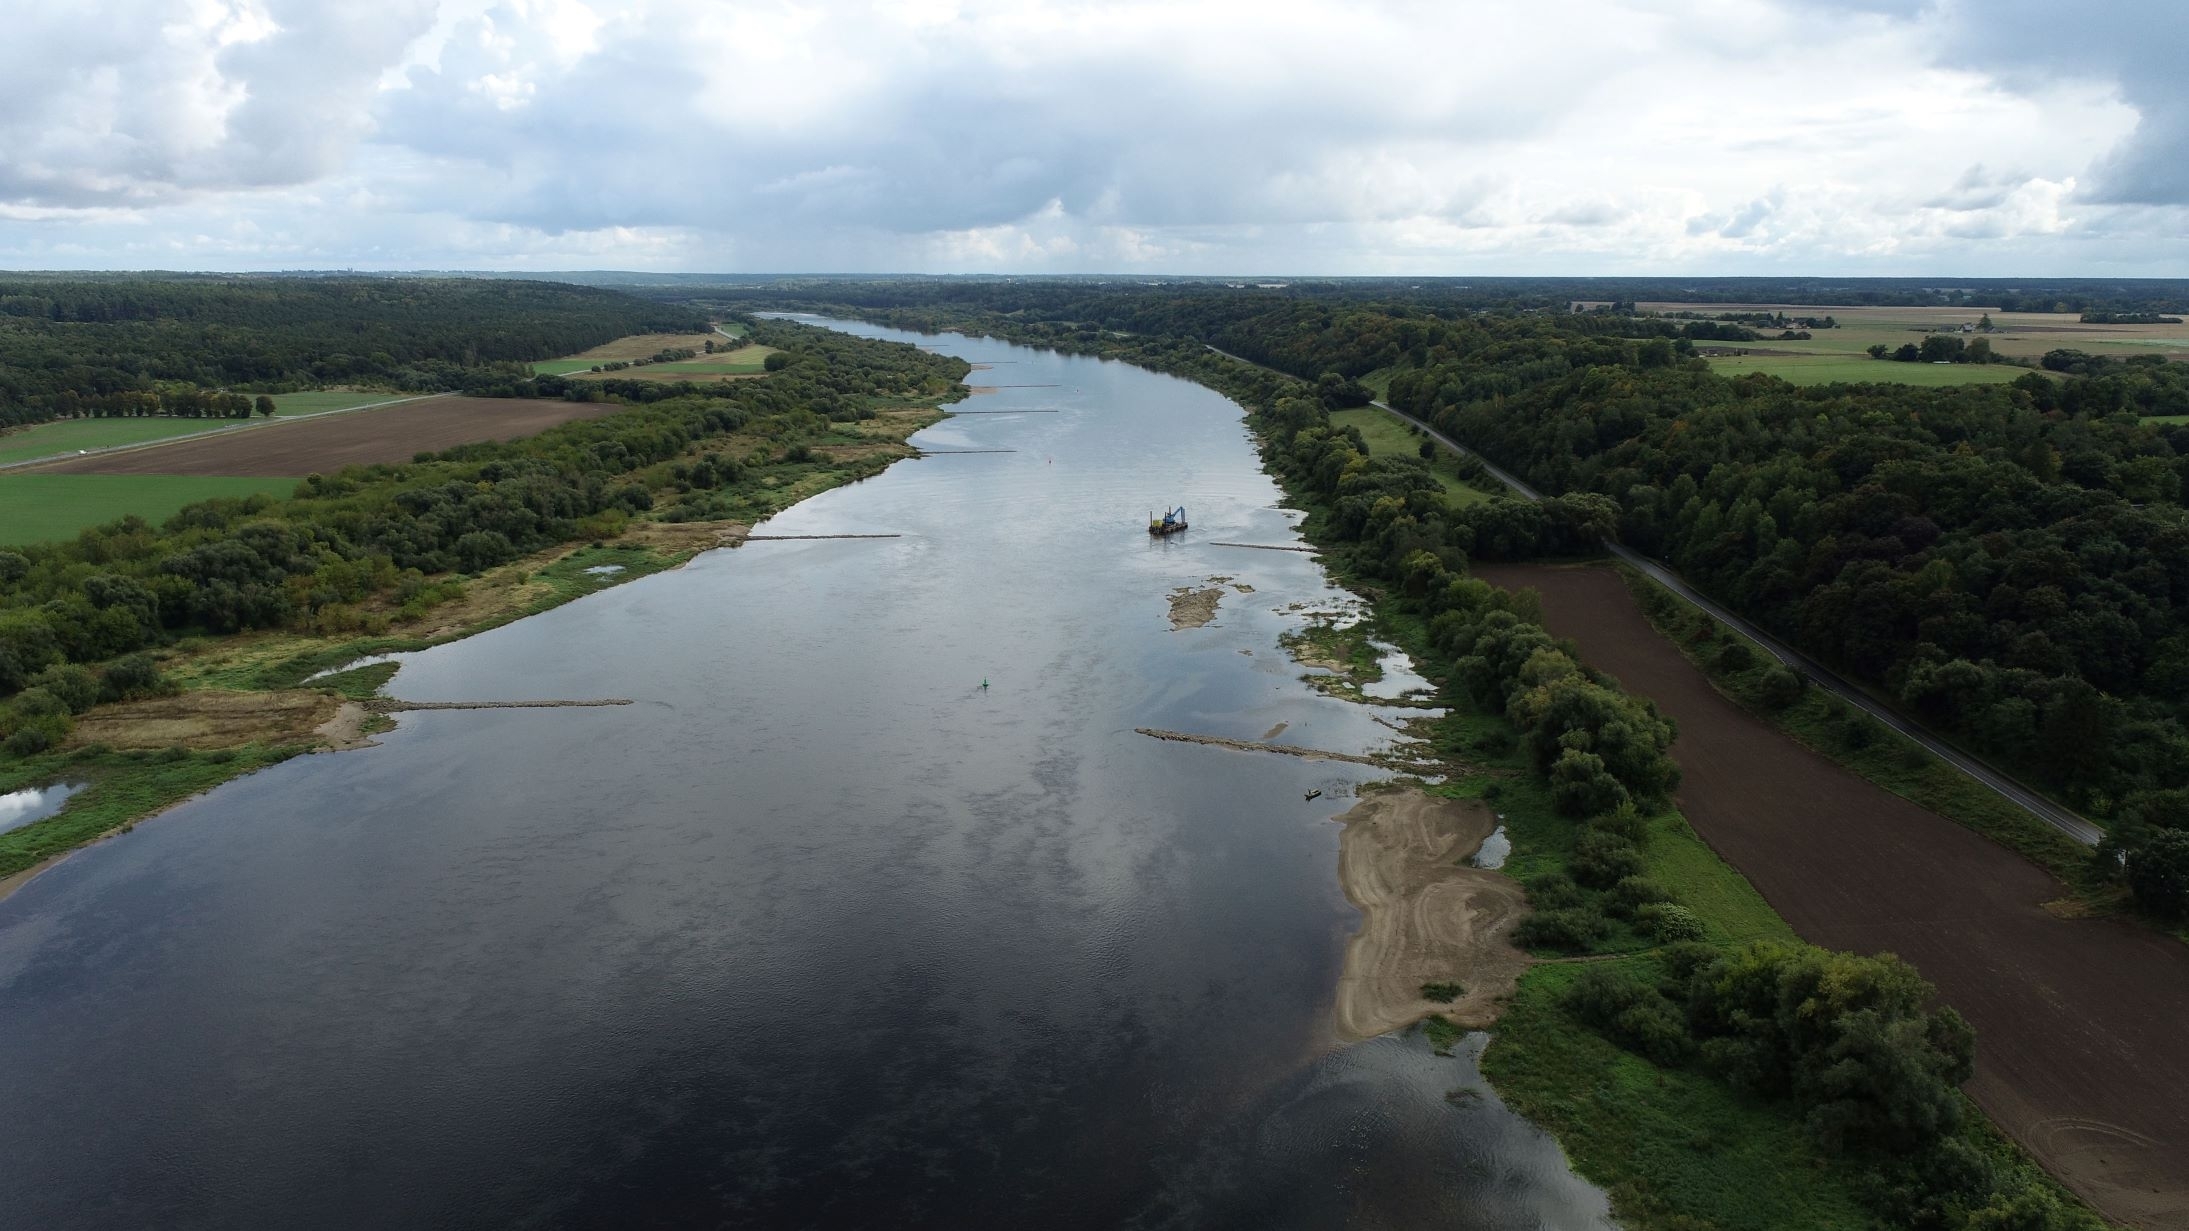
1426	918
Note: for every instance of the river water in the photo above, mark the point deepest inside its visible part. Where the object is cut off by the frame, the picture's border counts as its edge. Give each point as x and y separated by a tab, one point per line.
818	933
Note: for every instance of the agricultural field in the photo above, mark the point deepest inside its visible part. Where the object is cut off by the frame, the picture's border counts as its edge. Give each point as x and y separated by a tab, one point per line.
2020	334
1387	437
742	361
329	443
40	508
1853	866
73	435
1826	369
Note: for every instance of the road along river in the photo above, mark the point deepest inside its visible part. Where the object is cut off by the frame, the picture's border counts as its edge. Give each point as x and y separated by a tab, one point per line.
821	931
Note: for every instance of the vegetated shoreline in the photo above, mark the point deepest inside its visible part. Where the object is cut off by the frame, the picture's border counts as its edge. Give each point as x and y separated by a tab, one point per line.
1672	1144
499	596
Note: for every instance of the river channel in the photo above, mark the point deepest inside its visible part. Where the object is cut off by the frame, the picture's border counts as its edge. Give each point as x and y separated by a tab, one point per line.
820	932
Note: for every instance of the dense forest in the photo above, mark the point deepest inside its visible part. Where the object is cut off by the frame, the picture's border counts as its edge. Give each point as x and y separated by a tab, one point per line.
76	617
160	345
2010	563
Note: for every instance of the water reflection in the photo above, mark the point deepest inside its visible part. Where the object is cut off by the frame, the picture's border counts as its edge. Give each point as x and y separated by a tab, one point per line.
20	808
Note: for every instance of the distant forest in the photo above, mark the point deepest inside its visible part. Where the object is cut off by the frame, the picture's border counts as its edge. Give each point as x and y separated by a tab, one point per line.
146	345
2009	562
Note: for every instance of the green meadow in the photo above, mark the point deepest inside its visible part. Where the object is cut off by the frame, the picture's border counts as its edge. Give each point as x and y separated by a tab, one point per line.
1825	369
40	508
1387	437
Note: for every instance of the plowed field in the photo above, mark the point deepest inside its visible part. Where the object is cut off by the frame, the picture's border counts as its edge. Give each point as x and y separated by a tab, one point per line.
2081	1050
329	443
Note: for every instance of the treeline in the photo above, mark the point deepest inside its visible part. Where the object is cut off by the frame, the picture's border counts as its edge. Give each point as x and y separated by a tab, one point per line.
350	548
95	347
1087	298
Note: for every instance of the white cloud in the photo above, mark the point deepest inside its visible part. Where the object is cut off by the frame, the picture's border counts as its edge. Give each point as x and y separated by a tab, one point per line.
1066	135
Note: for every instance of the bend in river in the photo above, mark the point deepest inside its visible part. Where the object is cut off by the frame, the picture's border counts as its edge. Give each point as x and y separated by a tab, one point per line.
873	909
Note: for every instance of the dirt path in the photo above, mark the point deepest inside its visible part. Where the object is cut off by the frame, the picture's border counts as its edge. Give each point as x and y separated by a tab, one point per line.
1426	918
2081	1054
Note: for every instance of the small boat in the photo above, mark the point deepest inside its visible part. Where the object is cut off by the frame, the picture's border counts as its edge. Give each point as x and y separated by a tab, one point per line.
1171	522
1315	794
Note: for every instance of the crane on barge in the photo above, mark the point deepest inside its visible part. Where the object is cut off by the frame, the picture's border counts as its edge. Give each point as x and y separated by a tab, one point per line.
1171	522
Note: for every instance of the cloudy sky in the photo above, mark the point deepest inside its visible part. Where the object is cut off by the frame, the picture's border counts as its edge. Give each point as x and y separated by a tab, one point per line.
1565	136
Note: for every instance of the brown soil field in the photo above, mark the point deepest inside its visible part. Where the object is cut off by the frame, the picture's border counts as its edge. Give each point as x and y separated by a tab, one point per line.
209	719
325	445
2081	1054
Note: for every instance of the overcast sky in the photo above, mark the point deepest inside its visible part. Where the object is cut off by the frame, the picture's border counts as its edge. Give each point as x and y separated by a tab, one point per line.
1563	136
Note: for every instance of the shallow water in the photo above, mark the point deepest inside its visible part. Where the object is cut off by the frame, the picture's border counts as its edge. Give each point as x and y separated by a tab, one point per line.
20	808
818	933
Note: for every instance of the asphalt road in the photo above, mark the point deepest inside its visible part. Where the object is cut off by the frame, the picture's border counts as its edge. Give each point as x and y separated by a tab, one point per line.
1821	676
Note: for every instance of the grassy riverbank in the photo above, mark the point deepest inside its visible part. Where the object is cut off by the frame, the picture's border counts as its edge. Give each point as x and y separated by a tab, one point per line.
1678	1144
226	705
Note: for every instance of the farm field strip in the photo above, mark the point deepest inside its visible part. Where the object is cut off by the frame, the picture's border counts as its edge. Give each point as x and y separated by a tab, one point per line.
1826	369
42	508
52	441
327	443
2077	1056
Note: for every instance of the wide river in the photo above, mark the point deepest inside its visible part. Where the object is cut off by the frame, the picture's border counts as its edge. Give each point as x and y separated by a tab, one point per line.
821	932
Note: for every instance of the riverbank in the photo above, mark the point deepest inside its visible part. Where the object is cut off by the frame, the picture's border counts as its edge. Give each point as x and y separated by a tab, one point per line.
1677	1146
1435	934
242	702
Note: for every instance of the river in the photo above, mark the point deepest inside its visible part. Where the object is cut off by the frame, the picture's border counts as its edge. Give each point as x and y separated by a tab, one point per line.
821	932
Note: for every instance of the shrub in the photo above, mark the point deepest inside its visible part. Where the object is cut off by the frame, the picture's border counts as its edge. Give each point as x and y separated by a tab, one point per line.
1572	929
76	687
1632	893
1779	687
1580	785
2158	872
133	676
1625	821
1554	891
1670	923
1735	655
1601	860
1631	1013
1443	993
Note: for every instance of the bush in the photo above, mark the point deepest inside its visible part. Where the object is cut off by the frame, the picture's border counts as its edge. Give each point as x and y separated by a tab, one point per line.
1670	923
1735	655
134	676
1572	929
1580	785
776	362
76	687
2158	872
1601	860
1631	1013
1779	687
1625	821
1554	891
1632	893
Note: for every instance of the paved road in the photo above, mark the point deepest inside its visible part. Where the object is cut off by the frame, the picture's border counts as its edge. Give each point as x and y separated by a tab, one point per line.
1823	677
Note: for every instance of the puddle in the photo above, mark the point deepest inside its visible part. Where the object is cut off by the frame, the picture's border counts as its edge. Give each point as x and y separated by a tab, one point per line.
1400	681
603	570
20	808
1493	851
355	663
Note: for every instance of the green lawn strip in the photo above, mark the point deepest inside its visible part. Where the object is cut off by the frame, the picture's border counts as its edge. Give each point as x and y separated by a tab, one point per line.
124	787
317	401
2167	419
1828	727
70	435
1668	1144
40	508
733	328
1387	437
564	367
1832	369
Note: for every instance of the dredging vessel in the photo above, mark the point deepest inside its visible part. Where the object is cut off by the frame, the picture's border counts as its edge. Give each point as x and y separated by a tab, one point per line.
1171	522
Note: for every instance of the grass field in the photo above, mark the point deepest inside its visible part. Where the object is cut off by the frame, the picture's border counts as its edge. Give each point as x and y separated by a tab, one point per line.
644	346
1826	369
39	508
2167	419
68	436
1387	437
